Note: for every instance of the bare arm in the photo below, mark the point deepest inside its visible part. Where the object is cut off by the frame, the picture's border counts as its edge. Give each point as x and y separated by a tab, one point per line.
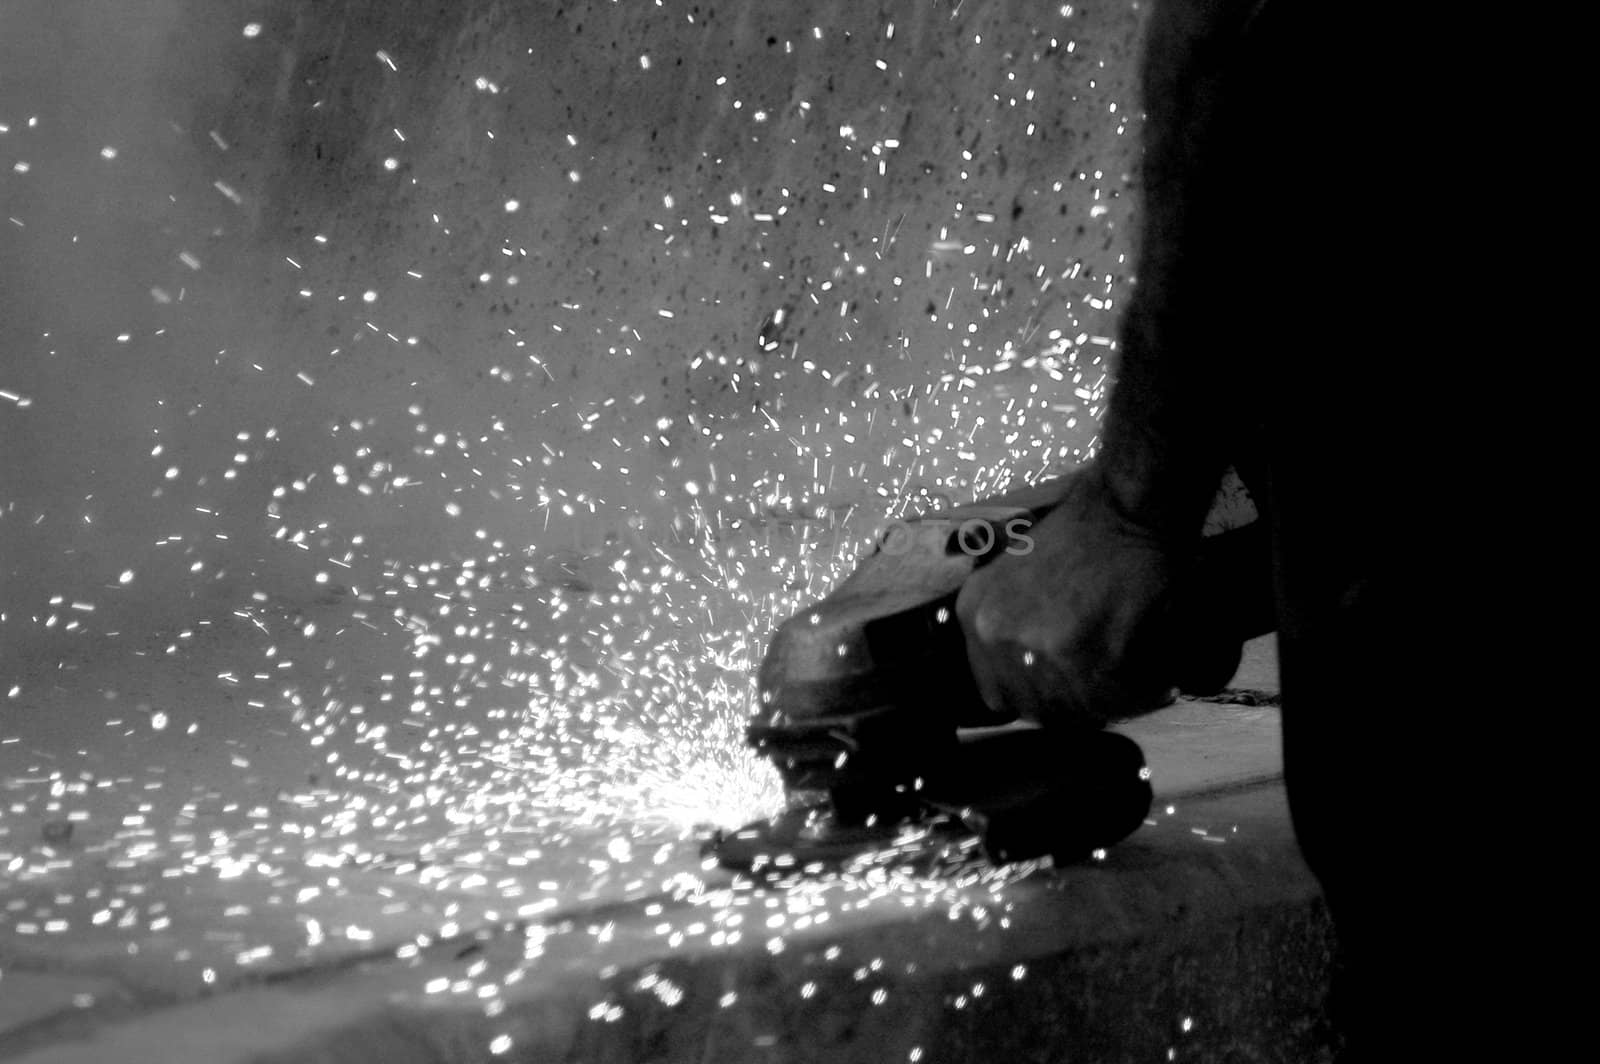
1178	412
1085	628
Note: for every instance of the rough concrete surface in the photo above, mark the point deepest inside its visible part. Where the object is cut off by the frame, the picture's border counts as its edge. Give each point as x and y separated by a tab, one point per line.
729	221
1203	933
1202	936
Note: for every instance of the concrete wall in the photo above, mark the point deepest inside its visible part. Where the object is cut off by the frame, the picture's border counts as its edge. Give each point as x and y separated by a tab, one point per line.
649	262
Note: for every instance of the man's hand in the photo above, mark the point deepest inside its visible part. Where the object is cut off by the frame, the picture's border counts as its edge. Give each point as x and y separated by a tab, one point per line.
1078	630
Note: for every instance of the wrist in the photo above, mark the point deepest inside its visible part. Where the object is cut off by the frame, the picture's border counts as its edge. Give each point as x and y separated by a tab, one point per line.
1153	487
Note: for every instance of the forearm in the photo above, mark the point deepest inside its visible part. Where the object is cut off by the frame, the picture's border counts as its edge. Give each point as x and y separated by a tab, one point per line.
1168	437
1178	408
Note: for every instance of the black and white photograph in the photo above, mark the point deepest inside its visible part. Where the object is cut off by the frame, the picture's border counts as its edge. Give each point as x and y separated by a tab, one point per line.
766	532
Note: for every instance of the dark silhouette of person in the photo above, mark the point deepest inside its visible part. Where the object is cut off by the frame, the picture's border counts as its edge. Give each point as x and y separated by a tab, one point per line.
1301	310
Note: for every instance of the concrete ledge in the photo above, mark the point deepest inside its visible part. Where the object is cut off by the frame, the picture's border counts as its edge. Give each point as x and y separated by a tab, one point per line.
1203	936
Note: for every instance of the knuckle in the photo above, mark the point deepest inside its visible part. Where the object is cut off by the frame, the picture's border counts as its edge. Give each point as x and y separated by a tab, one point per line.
991	622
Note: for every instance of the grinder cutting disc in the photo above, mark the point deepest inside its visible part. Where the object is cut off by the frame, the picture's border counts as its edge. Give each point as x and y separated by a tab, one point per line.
1005	795
812	840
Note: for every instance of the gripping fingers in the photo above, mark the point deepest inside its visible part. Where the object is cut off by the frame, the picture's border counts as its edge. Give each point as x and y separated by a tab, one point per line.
1014	675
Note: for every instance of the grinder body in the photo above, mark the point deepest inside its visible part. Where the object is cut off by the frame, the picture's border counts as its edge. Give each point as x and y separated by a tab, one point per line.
869	711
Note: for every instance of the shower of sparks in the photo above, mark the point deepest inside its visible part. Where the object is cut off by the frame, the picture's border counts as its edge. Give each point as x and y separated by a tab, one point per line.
543	706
